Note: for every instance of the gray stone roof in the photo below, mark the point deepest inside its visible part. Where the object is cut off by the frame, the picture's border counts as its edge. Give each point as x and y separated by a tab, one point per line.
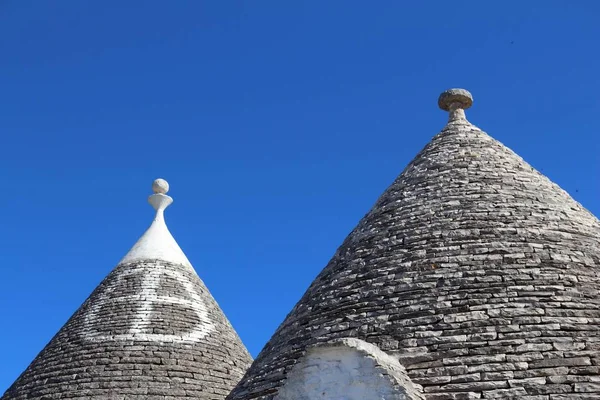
476	271
150	330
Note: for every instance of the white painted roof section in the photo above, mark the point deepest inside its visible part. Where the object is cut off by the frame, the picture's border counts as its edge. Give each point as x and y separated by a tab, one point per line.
157	243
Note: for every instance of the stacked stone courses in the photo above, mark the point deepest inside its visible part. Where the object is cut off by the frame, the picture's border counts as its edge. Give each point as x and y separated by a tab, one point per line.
85	361
151	330
477	272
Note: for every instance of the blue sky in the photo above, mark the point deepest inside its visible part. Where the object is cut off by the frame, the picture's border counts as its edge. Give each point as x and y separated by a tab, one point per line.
277	124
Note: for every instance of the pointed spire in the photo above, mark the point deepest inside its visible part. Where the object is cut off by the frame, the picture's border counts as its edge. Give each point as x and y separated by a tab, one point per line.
157	243
151	329
455	101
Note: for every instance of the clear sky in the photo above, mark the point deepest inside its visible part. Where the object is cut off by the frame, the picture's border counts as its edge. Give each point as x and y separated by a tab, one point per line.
277	124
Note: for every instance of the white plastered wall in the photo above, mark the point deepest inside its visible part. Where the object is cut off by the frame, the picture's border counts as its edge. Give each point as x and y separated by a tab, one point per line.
348	369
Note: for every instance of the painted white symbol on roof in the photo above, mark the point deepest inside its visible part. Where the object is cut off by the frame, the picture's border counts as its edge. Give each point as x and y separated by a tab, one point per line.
173	312
101	324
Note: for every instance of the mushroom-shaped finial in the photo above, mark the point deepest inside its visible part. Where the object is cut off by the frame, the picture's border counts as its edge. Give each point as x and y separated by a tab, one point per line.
455	98
160	186
455	101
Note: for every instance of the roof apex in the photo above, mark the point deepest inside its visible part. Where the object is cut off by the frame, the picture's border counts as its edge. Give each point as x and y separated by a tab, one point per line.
157	243
455	101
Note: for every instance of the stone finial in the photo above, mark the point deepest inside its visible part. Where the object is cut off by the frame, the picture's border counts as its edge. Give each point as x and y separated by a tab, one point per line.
159	200
160	186
456	101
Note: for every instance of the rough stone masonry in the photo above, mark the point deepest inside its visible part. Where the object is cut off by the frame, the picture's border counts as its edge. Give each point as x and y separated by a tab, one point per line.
477	272
151	330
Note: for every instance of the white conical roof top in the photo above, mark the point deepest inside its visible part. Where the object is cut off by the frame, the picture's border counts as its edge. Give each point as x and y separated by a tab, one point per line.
157	243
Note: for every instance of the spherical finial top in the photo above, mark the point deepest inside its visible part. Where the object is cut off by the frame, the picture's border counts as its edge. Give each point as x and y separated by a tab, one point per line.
461	98
160	186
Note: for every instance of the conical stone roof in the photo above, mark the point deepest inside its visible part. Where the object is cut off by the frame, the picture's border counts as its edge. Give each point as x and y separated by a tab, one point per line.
150	330
476	271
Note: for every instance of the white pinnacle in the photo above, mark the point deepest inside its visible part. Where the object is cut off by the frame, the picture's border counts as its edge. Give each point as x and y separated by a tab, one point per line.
157	243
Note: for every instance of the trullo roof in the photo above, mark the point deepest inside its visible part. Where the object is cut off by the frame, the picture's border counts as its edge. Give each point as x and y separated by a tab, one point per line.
150	330
476	271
